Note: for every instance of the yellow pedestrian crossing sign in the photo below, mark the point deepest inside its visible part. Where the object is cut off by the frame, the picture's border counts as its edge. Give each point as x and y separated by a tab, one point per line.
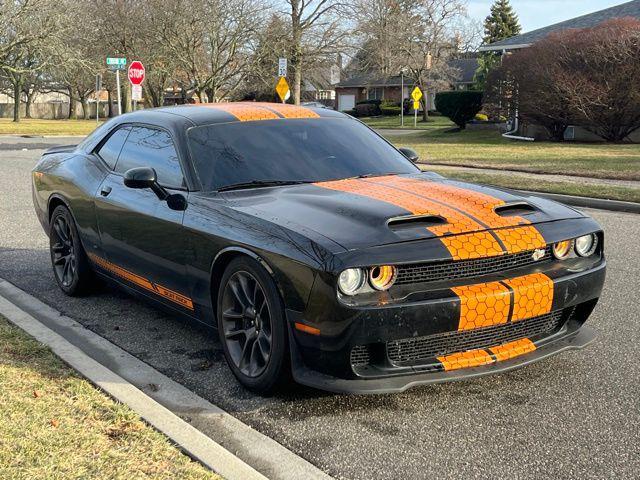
283	89
416	94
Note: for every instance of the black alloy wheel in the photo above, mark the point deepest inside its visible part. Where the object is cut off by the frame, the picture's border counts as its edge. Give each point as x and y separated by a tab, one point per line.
71	267
251	326
246	322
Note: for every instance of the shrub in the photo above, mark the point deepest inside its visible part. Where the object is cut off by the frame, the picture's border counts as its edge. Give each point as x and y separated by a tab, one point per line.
390	109
459	106
367	110
352	112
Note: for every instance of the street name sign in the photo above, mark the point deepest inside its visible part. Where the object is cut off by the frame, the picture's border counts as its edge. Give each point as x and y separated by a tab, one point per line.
116	63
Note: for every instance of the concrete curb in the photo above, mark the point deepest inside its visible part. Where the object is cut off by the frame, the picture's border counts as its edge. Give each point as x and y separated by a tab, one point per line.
587	202
209	434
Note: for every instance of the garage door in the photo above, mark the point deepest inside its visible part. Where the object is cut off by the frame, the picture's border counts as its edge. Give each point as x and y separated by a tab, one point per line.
346	102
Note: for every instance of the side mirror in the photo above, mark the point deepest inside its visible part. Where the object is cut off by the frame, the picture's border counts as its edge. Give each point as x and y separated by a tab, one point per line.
144	177
140	177
410	154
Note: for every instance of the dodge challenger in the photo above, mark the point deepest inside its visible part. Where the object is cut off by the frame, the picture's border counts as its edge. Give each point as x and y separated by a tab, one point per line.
316	249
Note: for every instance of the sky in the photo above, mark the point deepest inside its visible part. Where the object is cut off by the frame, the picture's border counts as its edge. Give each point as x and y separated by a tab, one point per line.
534	14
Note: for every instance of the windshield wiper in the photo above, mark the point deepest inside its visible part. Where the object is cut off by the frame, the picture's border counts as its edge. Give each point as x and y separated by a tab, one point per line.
370	175
261	183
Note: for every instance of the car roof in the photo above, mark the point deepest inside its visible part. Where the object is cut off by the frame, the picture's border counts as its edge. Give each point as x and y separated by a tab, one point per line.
210	113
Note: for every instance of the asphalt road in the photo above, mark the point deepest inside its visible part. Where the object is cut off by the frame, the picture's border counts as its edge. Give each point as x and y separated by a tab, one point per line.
576	415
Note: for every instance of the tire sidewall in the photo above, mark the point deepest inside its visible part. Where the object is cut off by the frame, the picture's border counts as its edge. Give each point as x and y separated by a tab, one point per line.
81	274
276	368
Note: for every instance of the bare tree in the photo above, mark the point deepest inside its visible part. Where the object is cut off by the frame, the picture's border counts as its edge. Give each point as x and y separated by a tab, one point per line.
30	41
317	34
429	39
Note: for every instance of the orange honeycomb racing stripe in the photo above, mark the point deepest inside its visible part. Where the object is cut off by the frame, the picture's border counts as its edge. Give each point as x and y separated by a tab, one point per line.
477	205
245	112
467	246
142	282
468	359
483	305
532	295
290	111
512	349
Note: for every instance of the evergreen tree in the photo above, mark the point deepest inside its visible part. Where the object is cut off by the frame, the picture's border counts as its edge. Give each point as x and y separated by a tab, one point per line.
501	23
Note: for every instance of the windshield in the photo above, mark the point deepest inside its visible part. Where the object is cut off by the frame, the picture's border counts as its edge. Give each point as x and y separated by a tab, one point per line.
292	150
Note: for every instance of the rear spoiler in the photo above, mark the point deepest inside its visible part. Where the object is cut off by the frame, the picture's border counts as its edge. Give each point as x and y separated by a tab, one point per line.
60	149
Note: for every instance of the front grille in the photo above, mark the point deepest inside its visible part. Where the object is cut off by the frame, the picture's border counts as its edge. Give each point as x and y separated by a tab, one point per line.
449	270
421	348
360	355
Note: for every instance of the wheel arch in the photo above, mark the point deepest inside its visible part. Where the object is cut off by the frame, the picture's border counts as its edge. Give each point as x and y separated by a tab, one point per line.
55	201
222	260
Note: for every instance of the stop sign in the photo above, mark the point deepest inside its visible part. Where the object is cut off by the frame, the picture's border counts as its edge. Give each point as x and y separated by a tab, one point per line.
136	72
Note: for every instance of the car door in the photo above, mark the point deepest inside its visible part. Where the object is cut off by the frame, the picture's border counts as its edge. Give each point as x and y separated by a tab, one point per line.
142	237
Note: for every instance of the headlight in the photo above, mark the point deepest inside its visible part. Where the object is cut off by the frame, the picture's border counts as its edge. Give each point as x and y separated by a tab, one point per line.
561	250
382	277
586	245
351	280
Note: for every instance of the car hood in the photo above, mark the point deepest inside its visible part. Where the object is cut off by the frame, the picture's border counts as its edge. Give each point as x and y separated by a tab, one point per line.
361	213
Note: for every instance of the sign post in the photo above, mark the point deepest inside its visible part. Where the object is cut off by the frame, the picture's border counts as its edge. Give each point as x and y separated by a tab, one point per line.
117	64
416	95
136	75
98	88
283	89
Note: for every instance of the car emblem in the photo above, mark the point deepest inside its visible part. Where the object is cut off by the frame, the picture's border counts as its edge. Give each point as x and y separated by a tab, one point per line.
538	254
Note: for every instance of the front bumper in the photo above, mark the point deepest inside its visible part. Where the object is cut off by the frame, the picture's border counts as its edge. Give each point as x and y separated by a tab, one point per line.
325	361
575	339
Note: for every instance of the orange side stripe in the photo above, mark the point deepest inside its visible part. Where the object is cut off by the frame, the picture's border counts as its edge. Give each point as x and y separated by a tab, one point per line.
142	282
471	358
483	305
245	112
512	349
532	295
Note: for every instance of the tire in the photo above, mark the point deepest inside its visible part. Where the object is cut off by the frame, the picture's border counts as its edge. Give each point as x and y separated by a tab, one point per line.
71	267
249	319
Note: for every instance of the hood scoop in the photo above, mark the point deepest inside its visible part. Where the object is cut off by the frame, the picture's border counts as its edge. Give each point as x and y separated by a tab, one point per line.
515	209
411	222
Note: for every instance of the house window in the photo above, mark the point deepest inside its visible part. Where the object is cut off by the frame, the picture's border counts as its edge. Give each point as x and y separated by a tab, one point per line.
374	93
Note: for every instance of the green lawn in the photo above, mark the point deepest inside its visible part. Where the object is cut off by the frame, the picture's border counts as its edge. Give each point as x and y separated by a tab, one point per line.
434	122
610	192
54	424
488	149
31	126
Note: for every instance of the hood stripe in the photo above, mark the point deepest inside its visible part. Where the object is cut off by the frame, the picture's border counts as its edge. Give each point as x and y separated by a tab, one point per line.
469	245
478	206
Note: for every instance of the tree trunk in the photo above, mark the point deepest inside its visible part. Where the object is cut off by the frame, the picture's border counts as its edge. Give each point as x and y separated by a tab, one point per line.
109	104
85	108
27	113
296	60
17	93
425	105
72	105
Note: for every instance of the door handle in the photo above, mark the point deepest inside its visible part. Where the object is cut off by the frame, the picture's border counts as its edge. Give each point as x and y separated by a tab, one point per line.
105	191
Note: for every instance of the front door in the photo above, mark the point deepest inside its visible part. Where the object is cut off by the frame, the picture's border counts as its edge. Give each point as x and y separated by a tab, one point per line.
142	238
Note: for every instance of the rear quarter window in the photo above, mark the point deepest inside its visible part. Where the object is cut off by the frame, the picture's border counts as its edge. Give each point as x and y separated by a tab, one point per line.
110	150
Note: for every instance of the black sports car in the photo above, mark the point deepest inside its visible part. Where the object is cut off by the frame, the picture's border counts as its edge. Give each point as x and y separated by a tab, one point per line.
317	248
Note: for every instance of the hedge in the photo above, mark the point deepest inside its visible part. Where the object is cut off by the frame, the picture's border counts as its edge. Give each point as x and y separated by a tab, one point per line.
460	106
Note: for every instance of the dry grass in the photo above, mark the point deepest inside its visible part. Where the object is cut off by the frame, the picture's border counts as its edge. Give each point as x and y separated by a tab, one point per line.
56	425
30	126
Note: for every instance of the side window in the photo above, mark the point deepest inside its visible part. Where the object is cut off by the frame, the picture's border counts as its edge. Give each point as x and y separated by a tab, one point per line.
150	147
110	149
